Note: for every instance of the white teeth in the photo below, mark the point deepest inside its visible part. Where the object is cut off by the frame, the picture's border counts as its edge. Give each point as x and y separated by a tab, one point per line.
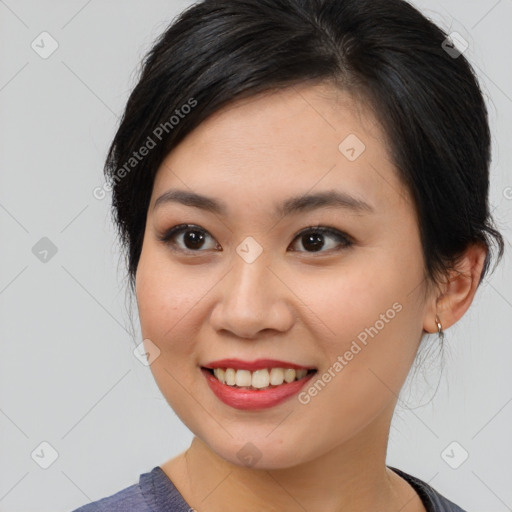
243	378
258	379
289	375
220	374
301	373
276	376
230	376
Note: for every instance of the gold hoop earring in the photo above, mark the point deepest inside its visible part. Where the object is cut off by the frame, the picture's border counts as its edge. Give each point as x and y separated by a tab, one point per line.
440	331
439	326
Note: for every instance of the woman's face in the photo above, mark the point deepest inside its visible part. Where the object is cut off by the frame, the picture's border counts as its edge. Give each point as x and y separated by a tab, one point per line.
306	251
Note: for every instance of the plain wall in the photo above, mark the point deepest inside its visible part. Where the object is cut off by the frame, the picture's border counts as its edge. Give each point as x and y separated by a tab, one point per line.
68	376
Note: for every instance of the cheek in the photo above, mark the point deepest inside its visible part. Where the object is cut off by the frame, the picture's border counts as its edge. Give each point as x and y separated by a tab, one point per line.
376	332
166	297
374	319
361	294
168	301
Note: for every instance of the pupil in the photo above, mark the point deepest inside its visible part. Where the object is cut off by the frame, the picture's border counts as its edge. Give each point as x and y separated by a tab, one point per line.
315	241
193	239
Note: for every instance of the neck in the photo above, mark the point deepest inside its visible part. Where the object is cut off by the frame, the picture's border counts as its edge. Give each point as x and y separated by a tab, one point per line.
351	477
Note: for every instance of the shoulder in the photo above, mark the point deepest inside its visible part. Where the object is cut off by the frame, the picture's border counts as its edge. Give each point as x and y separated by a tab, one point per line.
154	492
432	499
130	498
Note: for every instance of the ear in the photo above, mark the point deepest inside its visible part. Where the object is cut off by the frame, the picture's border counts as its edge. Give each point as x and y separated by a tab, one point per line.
458	291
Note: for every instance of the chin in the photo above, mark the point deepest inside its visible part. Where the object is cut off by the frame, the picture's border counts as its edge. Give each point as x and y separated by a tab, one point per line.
263	454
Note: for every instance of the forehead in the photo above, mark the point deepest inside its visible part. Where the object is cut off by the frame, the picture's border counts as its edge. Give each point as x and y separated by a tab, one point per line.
285	142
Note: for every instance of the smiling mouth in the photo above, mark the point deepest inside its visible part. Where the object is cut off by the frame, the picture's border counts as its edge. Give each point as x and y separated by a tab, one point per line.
265	378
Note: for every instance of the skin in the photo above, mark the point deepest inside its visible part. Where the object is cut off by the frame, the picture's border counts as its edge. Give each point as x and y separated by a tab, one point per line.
292	303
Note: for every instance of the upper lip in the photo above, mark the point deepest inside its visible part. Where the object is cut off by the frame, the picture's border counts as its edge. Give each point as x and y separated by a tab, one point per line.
259	364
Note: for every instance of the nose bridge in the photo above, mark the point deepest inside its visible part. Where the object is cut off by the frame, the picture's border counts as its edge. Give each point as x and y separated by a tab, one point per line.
249	280
252	298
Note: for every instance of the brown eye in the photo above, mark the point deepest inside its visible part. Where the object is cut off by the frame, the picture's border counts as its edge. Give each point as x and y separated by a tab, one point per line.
315	239
187	237
193	239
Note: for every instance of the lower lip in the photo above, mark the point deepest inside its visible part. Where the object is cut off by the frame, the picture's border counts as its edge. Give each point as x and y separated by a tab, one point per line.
250	399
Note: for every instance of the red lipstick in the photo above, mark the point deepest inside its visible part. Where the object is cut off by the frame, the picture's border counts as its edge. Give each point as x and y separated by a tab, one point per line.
259	364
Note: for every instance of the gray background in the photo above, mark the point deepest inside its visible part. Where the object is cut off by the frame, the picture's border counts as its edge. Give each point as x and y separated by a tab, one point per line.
68	375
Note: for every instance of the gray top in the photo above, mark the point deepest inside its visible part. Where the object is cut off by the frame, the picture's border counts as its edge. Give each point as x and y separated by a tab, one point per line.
155	492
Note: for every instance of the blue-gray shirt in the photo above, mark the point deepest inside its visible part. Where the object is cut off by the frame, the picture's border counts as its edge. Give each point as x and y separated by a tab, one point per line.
155	492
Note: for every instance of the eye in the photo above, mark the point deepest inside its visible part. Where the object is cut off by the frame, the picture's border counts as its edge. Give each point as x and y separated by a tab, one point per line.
316	238
193	238
188	237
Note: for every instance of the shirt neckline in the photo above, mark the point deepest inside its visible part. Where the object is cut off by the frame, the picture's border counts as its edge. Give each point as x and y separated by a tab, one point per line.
161	491
424	491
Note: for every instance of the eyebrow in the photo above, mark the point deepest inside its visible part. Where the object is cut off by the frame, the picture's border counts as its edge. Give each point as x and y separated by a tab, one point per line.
303	203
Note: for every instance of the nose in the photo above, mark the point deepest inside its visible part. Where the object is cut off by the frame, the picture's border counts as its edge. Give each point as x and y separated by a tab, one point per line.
253	301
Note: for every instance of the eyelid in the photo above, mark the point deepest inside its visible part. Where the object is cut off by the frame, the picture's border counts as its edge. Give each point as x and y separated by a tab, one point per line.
178	230
346	241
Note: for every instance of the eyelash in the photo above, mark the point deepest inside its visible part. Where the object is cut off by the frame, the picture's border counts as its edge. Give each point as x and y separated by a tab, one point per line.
345	240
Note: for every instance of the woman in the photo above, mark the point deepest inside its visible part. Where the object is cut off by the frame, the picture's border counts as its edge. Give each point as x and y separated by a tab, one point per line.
301	187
